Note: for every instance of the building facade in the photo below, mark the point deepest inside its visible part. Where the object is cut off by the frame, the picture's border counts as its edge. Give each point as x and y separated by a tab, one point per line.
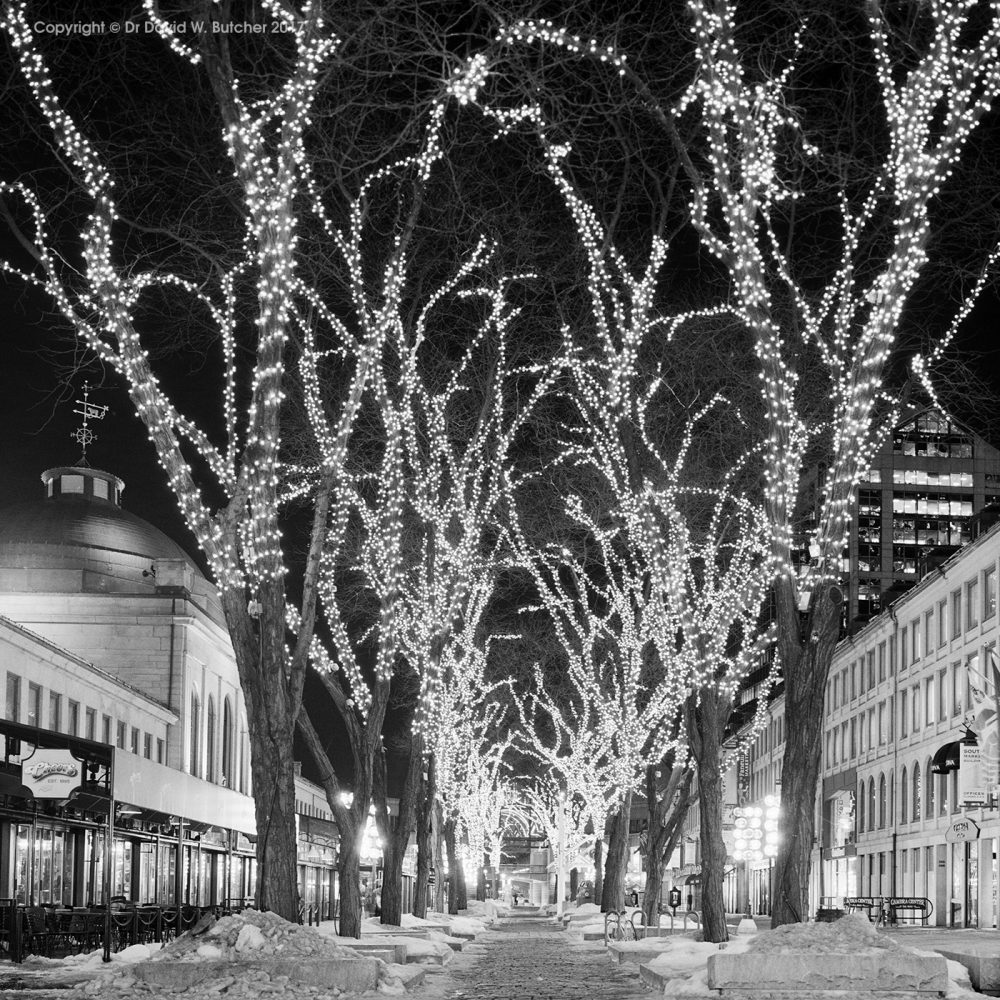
920	493
902	691
113	650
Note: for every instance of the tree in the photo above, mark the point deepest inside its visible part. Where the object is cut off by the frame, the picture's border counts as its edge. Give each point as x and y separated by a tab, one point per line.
669	797
933	96
252	293
820	263
239	535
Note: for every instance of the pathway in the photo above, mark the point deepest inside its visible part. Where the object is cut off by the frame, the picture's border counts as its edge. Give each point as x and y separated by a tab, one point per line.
527	958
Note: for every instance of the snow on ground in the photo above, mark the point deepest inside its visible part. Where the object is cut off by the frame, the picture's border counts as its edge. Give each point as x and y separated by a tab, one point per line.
242	938
684	963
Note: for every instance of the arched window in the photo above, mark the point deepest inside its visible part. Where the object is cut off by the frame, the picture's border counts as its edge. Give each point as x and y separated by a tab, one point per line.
929	792
943	795
861	808
195	734
881	801
210	772
871	803
916	793
227	744
954	792
904	815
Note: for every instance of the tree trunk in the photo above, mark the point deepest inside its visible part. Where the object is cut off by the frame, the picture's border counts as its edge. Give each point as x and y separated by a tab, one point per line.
599	867
481	880
425	848
708	713
349	870
463	888
397	838
613	889
260	659
439	887
806	666
454	875
667	813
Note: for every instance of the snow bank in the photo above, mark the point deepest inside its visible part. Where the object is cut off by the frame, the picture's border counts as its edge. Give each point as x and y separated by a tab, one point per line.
850	934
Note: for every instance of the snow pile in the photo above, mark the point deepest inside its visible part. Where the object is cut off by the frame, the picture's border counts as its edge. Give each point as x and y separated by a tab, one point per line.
250	935
851	934
686	963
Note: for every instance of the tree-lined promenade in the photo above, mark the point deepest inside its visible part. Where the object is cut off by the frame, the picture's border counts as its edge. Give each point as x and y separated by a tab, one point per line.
509	380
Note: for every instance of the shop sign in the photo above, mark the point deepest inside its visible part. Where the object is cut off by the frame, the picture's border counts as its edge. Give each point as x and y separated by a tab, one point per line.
972	780
51	774
961	830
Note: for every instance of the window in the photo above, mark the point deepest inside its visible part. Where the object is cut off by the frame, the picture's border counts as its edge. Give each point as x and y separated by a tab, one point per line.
942	695
55	712
34	705
915	790
929	712
90	717
904	718
904	814
915	634
956	689
916	707
929	631
872	737
210	774
227	740
871	669
881	661
147	746
122	734
904	649
106	729
862	744
159	751
13	710
73	720
891	718
971	604
990	592
871	804
956	614
195	746
881	723
942	623
134	743
881	801
892	655
854	681
929	793
942	781
854	738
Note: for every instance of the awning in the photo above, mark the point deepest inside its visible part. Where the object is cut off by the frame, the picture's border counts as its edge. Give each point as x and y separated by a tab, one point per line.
947	758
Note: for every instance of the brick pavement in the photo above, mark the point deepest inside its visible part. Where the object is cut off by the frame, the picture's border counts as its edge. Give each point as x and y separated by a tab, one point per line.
528	958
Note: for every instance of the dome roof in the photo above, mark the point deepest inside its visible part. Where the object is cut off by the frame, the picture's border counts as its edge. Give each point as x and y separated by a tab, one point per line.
79	526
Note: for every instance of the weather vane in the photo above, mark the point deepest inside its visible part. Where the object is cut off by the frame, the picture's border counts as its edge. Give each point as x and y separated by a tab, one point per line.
89	411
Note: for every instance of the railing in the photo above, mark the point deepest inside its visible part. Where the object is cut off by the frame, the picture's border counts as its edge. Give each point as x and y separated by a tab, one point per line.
891	910
68	930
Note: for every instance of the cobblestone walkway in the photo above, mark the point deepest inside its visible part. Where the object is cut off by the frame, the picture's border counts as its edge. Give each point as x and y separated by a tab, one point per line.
525	958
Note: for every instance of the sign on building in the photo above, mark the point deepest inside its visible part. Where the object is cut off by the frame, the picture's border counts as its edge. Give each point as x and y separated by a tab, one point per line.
973	788
51	774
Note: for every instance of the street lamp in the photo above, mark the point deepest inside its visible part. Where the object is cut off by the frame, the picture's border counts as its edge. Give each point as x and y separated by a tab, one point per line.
757	838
